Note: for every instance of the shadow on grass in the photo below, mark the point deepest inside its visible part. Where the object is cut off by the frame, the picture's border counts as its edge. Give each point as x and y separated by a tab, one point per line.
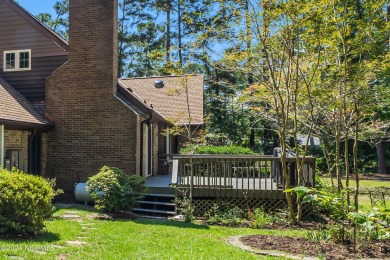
162	222
74	206
43	237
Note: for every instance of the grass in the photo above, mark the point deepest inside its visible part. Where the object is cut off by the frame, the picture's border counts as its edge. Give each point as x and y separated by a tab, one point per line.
141	238
364	184
133	239
364	200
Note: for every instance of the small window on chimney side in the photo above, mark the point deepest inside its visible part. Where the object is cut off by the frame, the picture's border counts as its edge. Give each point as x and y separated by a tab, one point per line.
17	60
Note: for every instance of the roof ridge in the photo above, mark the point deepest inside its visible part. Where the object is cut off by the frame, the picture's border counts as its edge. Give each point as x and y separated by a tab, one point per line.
163	76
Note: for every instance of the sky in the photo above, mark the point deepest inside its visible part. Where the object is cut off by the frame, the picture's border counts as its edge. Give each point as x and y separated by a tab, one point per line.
38	6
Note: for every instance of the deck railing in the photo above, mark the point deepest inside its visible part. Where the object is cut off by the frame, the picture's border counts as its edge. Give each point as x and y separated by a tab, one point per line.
237	175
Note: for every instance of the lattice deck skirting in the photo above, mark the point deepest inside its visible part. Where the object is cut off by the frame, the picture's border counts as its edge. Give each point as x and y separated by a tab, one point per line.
202	205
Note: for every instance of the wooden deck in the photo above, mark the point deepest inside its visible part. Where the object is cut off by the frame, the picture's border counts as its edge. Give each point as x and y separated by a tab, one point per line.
234	176
230	176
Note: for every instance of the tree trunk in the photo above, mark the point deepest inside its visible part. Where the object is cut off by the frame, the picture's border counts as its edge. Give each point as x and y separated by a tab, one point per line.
381	156
179	34
168	35
355	158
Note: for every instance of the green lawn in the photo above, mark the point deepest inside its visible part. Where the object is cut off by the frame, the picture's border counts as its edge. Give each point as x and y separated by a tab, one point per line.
364	200
131	239
363	183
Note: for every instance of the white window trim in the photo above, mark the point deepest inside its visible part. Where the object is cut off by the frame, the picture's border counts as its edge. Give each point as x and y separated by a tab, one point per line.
17	59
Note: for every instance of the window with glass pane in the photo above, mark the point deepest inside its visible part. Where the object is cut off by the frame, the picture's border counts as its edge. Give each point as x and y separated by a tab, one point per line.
10	61
24	60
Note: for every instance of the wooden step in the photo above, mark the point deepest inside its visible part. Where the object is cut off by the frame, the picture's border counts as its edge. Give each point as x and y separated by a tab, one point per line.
156	203
155	211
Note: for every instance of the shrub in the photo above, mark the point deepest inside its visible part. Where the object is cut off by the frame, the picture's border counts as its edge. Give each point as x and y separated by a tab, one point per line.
210	149
25	202
226	214
260	218
112	189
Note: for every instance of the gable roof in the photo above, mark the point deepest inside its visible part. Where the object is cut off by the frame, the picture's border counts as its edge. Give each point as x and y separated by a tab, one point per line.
170	101
37	23
15	110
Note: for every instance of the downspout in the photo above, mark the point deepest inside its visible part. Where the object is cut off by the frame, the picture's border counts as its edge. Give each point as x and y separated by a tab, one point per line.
30	148
142	142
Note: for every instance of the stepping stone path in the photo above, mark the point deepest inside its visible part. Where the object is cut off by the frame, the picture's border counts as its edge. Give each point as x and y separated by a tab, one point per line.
71	216
14	257
85	227
57	246
82	237
89	228
39	252
62	256
76	243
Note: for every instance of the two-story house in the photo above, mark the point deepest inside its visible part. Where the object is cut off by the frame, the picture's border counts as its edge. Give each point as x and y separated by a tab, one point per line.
63	111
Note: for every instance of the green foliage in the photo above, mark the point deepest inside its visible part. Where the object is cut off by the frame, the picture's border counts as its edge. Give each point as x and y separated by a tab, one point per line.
25	202
260	218
185	208
331	203
112	189
226	214
373	225
210	149
318	235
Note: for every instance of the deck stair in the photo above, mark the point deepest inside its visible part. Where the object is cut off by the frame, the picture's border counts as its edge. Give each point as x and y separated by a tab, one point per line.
155	204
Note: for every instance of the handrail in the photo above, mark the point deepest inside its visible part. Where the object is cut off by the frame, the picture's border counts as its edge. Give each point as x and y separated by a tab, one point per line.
235	174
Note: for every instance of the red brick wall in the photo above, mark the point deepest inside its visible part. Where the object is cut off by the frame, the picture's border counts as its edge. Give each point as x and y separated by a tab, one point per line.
92	128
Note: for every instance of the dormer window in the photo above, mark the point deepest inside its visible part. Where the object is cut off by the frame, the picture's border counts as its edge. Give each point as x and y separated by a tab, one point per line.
17	60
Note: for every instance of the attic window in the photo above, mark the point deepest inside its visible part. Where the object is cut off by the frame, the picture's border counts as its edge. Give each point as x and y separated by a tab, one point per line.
159	84
17	60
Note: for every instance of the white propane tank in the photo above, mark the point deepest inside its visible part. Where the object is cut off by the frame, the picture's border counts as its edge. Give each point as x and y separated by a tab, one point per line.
81	194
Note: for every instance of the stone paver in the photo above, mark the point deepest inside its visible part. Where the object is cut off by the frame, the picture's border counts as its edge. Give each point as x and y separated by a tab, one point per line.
83	237
39	252
62	256
57	247
71	216
76	243
15	257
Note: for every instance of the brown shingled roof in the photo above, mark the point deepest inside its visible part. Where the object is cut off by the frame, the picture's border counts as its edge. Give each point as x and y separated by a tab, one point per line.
16	110
170	100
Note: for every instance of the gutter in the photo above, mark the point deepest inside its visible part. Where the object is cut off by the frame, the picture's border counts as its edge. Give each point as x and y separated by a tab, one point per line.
142	141
32	136
26	125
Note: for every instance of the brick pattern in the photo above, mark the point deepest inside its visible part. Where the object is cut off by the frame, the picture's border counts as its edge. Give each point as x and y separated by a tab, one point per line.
43	155
92	128
18	140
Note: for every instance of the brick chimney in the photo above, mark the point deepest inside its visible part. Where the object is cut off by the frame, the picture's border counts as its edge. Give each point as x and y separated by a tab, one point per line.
92	128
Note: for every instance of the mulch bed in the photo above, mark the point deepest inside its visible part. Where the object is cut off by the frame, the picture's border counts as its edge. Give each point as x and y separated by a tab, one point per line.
328	250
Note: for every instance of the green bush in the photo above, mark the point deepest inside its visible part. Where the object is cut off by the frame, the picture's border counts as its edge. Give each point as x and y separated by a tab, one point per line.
25	202
210	149
112	189
226	214
260	218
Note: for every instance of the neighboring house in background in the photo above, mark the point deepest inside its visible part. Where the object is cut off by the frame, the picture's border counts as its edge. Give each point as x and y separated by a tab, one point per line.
63	111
